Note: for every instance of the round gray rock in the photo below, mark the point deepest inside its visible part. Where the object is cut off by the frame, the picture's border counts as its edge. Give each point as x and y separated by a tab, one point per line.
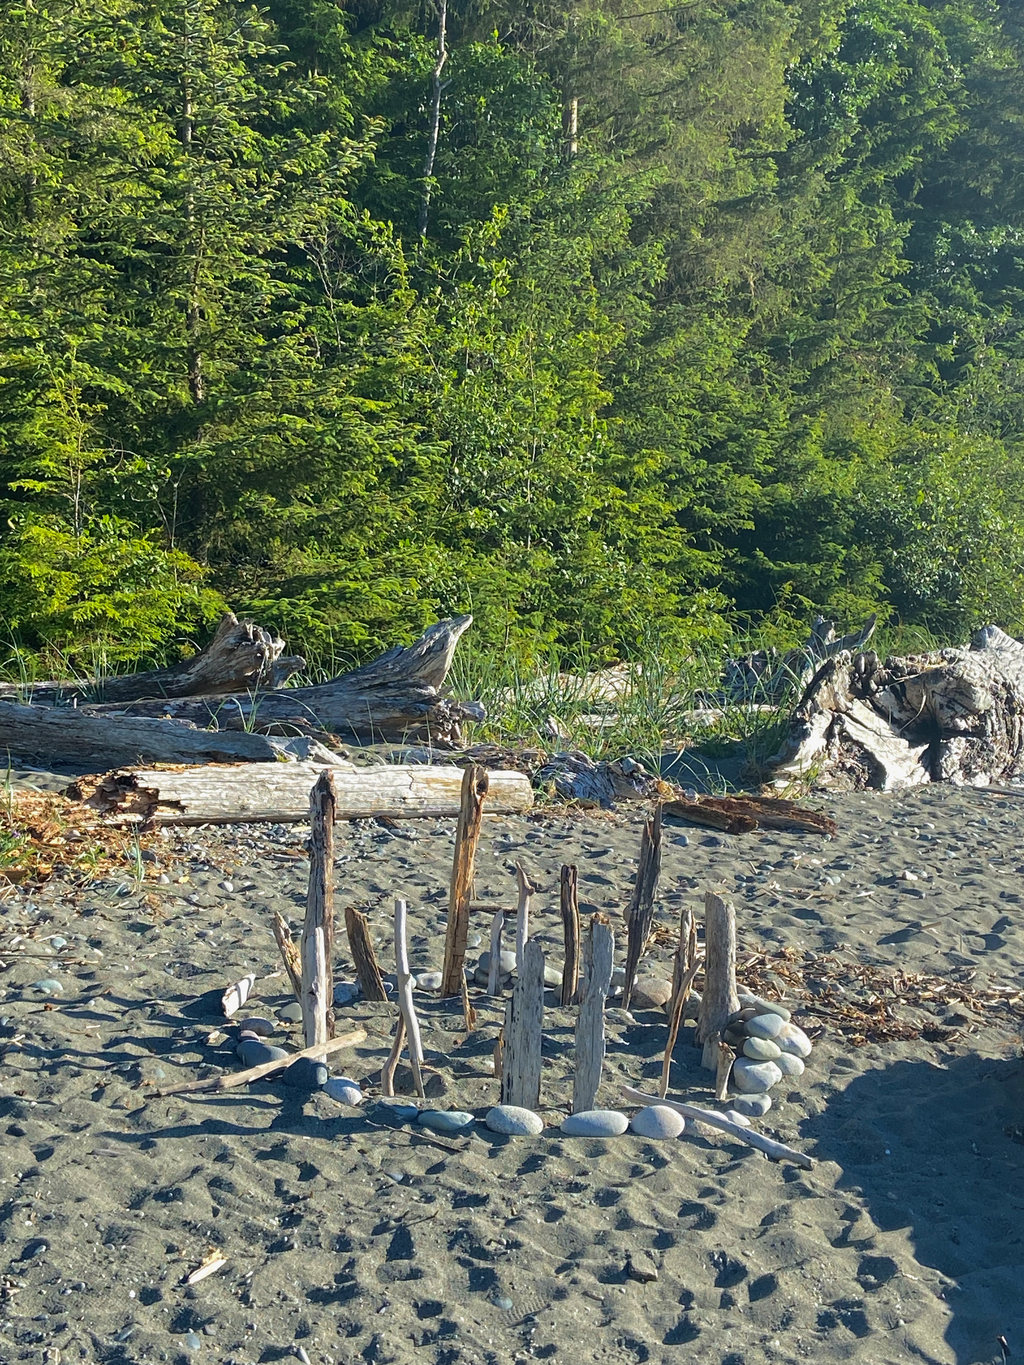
794	1041
344	1090
429	981
754	1078
595	1123
651	993
659	1122
290	1014
254	1053
446	1120
262	1028
506	962
789	1064
514	1121
752	1106
761	1050
765	1006
765	1026
552	976
346	991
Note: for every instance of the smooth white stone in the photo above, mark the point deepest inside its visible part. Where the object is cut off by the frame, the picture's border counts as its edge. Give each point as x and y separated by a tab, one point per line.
514	1121
658	1121
753	1106
343	1090
765	1026
429	981
754	1078
734	1116
595	1123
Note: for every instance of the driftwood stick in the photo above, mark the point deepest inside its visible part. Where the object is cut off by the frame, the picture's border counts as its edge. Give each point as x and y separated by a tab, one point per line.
600	957
357	926
776	1151
289	954
467	835
718	999
494	968
256	1073
526	891
640	914
726	1057
570	907
684	968
387	1075
317	948
468	1012
524	1023
405	1000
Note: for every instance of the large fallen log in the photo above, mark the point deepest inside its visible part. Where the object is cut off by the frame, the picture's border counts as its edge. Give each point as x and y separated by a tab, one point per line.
68	736
395	697
246	792
954	715
241	657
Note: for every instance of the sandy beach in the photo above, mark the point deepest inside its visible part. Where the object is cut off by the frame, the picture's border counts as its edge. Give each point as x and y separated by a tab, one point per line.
349	1239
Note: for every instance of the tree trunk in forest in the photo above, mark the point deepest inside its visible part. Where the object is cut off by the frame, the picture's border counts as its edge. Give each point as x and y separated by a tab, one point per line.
435	114
954	715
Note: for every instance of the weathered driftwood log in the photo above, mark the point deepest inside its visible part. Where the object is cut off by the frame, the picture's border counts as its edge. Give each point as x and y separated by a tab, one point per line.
406	1003
280	792
66	735
360	944
600	961
767	676
473	790
395	697
576	777
316	952
742	814
524	1028
955	715
640	914
241	657
719	999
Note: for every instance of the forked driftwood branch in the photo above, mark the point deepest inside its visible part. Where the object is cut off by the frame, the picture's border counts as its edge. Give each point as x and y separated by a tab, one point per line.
405	1000
685	965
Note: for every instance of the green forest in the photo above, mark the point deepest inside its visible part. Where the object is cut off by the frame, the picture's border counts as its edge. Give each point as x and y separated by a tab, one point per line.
598	320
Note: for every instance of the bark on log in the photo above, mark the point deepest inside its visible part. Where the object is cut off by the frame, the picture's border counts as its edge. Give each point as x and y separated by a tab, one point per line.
241	657
524	1025
954	715
280	792
719	999
397	697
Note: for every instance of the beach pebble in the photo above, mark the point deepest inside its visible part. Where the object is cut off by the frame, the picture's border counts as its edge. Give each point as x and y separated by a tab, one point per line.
595	1123
752	1106
764	1006
346	991
753	1078
552	977
789	1064
291	1013
506	963
446	1120
473	941
429	981
658	1121
734	1116
343	1090
514	1121
262	1028
765	1026
651	993
794	1041
742	1015
254	1053
761	1050
47	986
305	1074
57	943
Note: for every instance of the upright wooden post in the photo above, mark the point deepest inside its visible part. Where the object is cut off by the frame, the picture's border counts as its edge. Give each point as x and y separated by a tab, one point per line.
357	926
684	969
405	1001
526	890
570	907
600	959
524	1023
317	948
494	969
640	914
467	836
719	999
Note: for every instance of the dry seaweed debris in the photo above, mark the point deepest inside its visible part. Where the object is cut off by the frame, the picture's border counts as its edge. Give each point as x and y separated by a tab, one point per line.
867	1003
42	833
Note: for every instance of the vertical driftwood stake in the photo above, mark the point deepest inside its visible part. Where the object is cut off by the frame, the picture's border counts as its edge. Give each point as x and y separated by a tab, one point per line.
726	1057
387	1075
361	946
467	836
570	908
719	999
526	890
289	954
684	969
640	914
524	1022
405	1001
600	955
494	970
316	950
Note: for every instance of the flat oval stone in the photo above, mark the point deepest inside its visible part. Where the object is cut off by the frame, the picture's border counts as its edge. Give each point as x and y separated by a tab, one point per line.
765	1026
343	1090
429	981
658	1121
741	1016
595	1123
305	1074
789	1064
506	962
752	1106
763	1006
254	1053
290	1014
734	1116
473	941
651	993
761	1050
514	1121
345	992
48	986
446	1120
794	1041
390	1111
552	977
262	1028
754	1078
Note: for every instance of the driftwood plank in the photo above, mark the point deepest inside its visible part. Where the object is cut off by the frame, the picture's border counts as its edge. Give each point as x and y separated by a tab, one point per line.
316	950
279	792
718	999
570	908
600	961
357	926
473	790
524	1023
640	914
